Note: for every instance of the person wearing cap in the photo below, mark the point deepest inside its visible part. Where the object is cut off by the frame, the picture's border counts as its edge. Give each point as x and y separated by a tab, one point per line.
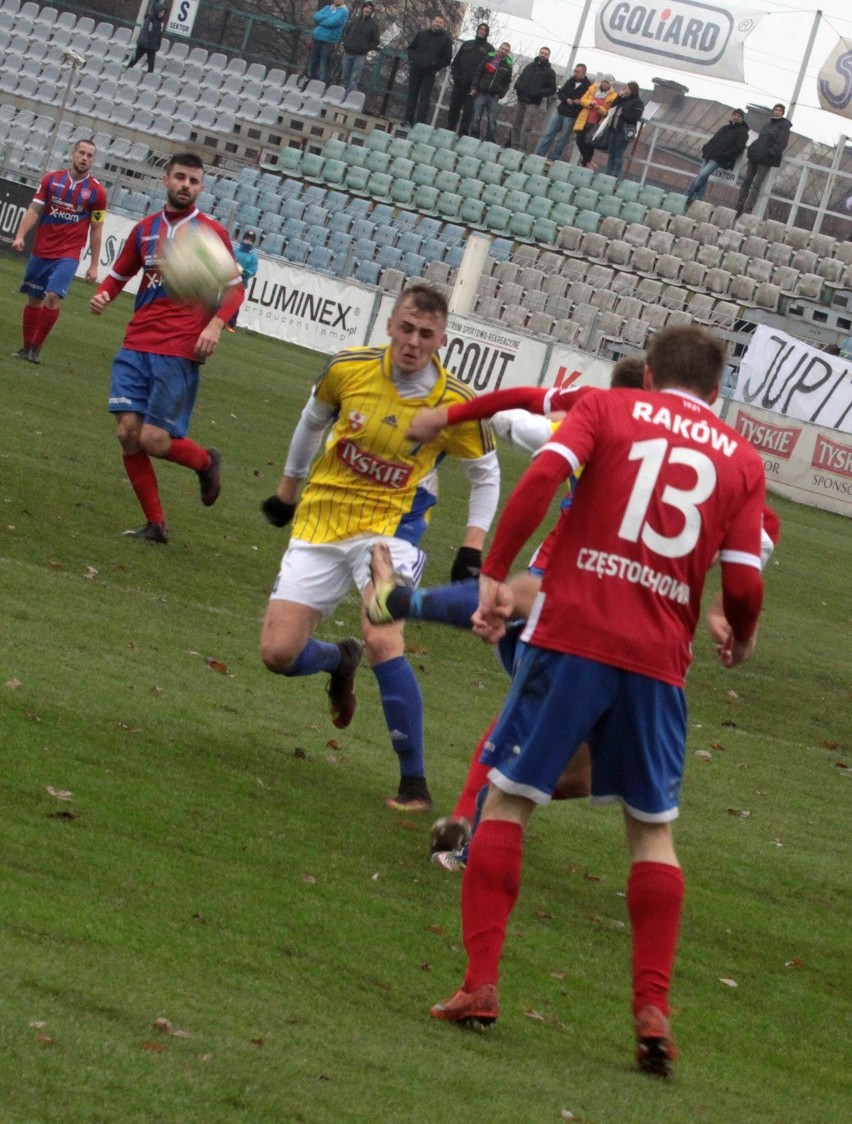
763	154
722	151
595	105
463	69
246	259
361	37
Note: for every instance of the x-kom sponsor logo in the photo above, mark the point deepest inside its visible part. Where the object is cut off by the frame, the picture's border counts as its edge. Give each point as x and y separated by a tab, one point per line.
691	31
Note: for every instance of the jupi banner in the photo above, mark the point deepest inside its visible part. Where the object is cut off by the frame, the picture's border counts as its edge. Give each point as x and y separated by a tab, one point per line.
703	38
782	374
834	84
520	8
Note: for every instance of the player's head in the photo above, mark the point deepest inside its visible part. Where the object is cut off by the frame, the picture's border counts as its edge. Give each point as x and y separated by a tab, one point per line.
417	327
183	180
83	156
690	358
628	373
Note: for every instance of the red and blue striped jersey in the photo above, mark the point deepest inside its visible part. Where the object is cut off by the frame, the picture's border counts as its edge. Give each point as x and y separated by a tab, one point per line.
69	207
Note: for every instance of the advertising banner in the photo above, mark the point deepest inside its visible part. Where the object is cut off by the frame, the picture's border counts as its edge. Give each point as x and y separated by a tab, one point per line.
116	230
309	309
520	8
803	462
484	356
15	198
834	83
789	377
703	38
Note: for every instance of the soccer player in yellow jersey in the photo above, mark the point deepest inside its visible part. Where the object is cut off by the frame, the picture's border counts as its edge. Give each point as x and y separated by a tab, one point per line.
369	483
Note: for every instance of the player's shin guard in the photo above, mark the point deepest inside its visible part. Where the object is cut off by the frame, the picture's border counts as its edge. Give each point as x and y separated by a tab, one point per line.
403	707
490	886
48	318
316	656
143	478
31	321
477	777
654	899
185	452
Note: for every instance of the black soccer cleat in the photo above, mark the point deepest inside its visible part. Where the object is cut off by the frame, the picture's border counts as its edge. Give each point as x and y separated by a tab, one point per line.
341	684
151	532
210	480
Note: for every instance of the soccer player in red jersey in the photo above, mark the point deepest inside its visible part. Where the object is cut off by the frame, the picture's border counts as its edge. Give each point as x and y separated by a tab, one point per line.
68	207
666	487
156	373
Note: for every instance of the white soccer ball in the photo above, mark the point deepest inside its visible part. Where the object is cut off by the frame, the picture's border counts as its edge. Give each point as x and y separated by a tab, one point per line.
197	265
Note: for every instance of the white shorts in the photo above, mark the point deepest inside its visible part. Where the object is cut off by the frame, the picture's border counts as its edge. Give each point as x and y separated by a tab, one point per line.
319	575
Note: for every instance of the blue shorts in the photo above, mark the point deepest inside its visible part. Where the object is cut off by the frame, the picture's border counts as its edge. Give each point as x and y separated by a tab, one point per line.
162	388
635	726
48	275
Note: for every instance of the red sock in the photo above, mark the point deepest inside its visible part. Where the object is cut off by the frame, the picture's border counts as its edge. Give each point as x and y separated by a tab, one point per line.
142	476
32	318
48	318
185	452
490	887
477	776
654	899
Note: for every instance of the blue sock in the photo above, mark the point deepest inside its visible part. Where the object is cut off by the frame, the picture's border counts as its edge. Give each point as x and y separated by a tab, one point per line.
449	604
316	656
403	707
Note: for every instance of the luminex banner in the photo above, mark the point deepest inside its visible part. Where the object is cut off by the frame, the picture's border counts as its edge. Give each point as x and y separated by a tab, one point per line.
834	84
702	38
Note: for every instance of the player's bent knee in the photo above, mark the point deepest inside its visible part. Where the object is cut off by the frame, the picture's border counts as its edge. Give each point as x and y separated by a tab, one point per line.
277	657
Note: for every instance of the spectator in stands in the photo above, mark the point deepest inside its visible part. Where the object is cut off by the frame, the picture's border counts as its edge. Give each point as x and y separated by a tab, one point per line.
595	104
560	128
463	69
428	52
490	84
361	37
627	110
150	35
329	25
247	260
536	82
763	154
722	151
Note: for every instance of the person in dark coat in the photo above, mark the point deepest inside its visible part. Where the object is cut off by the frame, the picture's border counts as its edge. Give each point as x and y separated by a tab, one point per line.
763	154
490	84
150	35
536	82
560	127
625	115
722	151
360	37
464	68
428	52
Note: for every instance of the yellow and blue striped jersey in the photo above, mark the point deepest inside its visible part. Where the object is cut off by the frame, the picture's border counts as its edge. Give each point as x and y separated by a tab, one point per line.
370	478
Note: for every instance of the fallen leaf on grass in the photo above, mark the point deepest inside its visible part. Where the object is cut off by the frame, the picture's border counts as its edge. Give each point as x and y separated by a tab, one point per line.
164	1026
54	564
256	1041
45	1039
559	975
743	813
733	695
332	743
794	963
543	915
309	878
216	665
36	1025
531	1014
704	755
436	928
299	753
840	765
425	966
375	877
717	745
566	1114
154	1047
31	715
59	793
593	877
728	983
416	649
129	729
830	745
12	684
91	573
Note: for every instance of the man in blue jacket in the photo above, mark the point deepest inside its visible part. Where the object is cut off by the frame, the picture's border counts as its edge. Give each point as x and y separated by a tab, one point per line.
329	25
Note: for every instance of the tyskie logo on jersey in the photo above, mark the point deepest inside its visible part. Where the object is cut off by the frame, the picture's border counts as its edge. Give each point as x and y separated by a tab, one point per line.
780	440
688	30
376	469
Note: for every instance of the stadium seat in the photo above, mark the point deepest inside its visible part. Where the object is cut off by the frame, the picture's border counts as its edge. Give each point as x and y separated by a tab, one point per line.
379	185
472	211
367	272
424	175
585	199
356	180
497	218
426	198
628	190
652	196
609	205
297	250
560	192
491	173
402	192
444	160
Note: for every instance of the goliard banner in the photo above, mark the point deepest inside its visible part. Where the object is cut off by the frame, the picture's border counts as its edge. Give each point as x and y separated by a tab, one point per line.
702	38
782	374
834	84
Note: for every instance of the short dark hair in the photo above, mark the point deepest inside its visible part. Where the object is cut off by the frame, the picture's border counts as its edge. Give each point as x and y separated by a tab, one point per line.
186	160
628	373
689	357
781	106
425	298
84	140
739	112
